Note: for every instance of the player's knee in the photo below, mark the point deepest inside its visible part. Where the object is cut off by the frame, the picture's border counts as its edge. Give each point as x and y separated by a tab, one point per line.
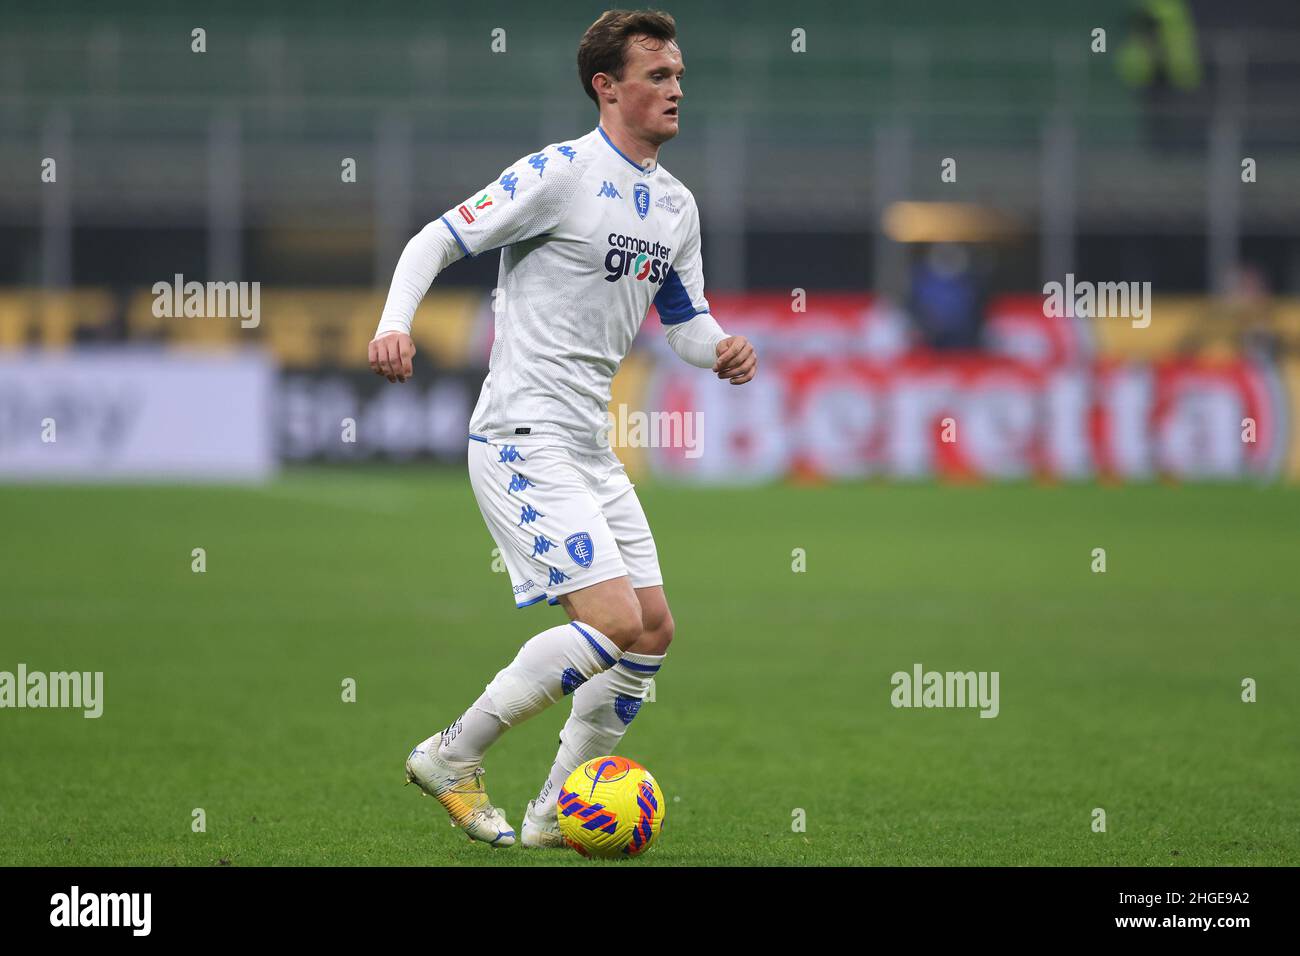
620	622
657	635
610	609
624	629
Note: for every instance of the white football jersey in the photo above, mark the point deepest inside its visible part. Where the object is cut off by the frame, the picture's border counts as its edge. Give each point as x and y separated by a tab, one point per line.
589	239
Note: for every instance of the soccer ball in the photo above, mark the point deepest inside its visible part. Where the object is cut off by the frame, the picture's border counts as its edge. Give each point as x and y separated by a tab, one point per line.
610	807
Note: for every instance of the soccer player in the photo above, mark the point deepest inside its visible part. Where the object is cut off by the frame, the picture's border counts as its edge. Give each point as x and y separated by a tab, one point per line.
591	231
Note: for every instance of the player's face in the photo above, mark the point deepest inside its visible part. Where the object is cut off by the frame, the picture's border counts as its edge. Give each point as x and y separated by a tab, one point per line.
651	88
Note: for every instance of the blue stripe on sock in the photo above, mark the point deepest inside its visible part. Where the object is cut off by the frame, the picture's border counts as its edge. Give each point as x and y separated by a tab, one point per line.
644	668
604	655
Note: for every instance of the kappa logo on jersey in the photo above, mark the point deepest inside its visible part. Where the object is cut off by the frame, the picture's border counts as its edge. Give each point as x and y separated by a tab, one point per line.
607	189
641	197
509	182
538	162
568	152
639	258
580	548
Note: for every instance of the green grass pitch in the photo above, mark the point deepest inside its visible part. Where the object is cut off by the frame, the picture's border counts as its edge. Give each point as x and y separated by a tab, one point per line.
1119	691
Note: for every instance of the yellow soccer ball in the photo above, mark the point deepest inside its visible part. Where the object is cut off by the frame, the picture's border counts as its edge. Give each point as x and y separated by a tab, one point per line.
610	807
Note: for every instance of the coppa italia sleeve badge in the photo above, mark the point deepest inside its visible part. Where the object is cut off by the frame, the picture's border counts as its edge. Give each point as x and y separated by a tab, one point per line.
476	208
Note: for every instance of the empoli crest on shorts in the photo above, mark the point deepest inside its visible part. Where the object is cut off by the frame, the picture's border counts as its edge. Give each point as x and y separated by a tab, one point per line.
580	548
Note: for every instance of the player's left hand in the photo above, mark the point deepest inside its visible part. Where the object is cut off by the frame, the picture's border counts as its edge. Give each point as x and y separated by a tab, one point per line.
737	360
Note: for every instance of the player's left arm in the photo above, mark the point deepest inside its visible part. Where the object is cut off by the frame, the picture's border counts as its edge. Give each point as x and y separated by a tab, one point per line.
691	329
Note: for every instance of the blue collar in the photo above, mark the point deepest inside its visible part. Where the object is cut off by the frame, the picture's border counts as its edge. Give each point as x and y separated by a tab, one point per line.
638	166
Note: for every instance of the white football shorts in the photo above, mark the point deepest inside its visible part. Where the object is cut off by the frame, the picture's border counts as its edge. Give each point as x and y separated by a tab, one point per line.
562	519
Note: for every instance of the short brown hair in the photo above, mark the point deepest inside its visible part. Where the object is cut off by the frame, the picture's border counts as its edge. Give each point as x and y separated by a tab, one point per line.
604	45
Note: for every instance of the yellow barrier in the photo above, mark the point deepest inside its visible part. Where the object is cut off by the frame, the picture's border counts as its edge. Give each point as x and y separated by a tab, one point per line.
305	328
1202	326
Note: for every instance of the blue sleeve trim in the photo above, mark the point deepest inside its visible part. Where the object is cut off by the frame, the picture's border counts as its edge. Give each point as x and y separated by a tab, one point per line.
673	302
463	248
686	319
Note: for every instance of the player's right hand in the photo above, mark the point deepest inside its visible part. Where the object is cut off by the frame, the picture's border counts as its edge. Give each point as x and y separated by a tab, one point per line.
391	354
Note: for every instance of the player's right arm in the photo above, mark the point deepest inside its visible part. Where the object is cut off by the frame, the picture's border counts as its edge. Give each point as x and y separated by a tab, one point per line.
430	251
528	199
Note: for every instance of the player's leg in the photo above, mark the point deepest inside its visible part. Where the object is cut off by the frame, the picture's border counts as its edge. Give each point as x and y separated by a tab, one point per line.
620	693
656	622
550	665
604	707
531	504
621	690
548	499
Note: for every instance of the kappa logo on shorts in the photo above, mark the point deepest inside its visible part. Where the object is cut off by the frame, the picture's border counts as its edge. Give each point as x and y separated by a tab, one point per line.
519	483
580	548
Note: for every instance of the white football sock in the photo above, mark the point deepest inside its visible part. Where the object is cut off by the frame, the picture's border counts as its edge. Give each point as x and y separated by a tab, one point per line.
472	733
603	708
550	665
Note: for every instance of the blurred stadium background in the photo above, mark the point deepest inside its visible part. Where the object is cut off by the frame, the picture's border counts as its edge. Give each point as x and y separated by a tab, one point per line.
818	176
817	172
